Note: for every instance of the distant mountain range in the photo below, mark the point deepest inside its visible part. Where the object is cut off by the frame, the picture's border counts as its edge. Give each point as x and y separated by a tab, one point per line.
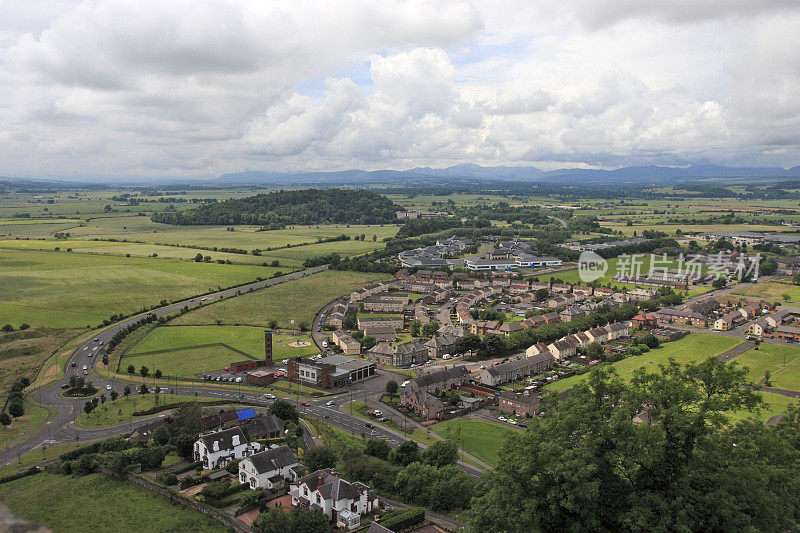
638	174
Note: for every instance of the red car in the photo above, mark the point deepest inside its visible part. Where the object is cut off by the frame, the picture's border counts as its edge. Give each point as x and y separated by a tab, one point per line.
85	373
304	404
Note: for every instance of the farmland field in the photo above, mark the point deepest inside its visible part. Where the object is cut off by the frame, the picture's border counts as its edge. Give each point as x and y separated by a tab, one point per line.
479	438
772	291
22	352
73	502
694	347
247	238
181	350
297	300
64	290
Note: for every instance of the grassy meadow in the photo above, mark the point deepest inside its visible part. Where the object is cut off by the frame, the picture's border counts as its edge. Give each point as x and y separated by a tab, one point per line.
298	300
67	290
694	347
73	502
772	290
121	410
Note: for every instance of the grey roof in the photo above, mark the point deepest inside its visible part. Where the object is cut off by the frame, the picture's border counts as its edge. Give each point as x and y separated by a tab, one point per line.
519	364
224	437
438	376
264	425
331	486
273	459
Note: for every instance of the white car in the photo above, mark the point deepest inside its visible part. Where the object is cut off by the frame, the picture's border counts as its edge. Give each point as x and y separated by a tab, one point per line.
269	396
86	367
405	383
238	380
108	387
502	419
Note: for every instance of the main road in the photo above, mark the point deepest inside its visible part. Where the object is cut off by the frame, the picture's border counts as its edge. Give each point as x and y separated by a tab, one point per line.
59	429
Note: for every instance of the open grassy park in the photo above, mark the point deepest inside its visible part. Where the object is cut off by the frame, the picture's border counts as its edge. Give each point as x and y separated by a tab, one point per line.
694	347
186	350
778	359
67	290
72	503
298	300
480	438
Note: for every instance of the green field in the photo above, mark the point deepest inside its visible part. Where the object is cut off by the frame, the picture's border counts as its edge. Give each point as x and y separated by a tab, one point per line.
106	503
62	290
771	290
571	276
694	347
179	350
297	300
121	410
482	439
776	404
772	357
247	238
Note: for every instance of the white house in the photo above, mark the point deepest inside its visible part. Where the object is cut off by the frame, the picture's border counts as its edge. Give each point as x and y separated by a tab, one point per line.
342	502
217	449
268	468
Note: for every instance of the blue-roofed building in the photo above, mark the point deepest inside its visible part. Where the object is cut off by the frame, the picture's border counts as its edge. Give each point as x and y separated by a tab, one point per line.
245	414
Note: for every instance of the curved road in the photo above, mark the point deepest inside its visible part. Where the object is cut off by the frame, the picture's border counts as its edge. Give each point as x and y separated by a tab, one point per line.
56	429
60	430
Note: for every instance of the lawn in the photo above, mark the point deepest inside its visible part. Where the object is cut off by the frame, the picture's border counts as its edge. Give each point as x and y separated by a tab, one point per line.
106	503
693	347
482	439
572	276
297	300
771	290
64	290
184	350
776	405
771	357
121	411
789	378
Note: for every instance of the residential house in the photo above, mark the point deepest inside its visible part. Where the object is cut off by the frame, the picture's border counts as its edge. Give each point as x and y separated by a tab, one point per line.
723	323
421	402
571	313
536	349
617	330
518	404
480	327
582	290
644	320
789	333
217	449
551	318
445	378
340	501
267	426
562	349
441	345
398	354
395	322
517	369
760	327
639	294
598	335
348	344
683	315
510	327
561	287
268	469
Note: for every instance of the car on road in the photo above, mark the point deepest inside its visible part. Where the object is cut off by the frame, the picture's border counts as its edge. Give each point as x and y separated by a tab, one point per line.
85	367
405	383
65	386
74	363
304	404
85	373
269	396
239	379
369	425
330	402
502	418
96	339
108	387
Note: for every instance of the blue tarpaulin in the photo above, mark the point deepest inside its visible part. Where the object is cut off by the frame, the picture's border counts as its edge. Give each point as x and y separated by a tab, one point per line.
245	414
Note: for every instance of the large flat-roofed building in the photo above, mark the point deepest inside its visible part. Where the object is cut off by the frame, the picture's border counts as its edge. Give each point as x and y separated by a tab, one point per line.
332	371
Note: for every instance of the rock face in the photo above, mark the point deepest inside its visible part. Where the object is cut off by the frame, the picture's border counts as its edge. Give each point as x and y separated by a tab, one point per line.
12	524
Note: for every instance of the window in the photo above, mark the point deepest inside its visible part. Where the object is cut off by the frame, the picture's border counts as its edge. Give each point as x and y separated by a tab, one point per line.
319	499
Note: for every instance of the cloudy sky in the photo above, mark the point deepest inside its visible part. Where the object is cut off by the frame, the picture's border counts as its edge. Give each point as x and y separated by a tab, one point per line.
195	88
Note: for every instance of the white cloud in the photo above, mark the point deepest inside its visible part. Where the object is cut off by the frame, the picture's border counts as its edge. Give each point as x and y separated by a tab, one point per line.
186	88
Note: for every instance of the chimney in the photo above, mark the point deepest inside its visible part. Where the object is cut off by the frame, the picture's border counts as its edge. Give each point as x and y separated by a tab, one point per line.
235	440
215	446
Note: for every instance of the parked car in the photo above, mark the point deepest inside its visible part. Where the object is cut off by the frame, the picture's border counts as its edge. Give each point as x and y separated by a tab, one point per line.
405	383
85	367
304	404
269	396
369	425
108	387
239	379
330	402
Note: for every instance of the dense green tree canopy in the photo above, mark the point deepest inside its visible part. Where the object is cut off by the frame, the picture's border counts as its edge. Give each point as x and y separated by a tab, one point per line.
656	454
277	209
